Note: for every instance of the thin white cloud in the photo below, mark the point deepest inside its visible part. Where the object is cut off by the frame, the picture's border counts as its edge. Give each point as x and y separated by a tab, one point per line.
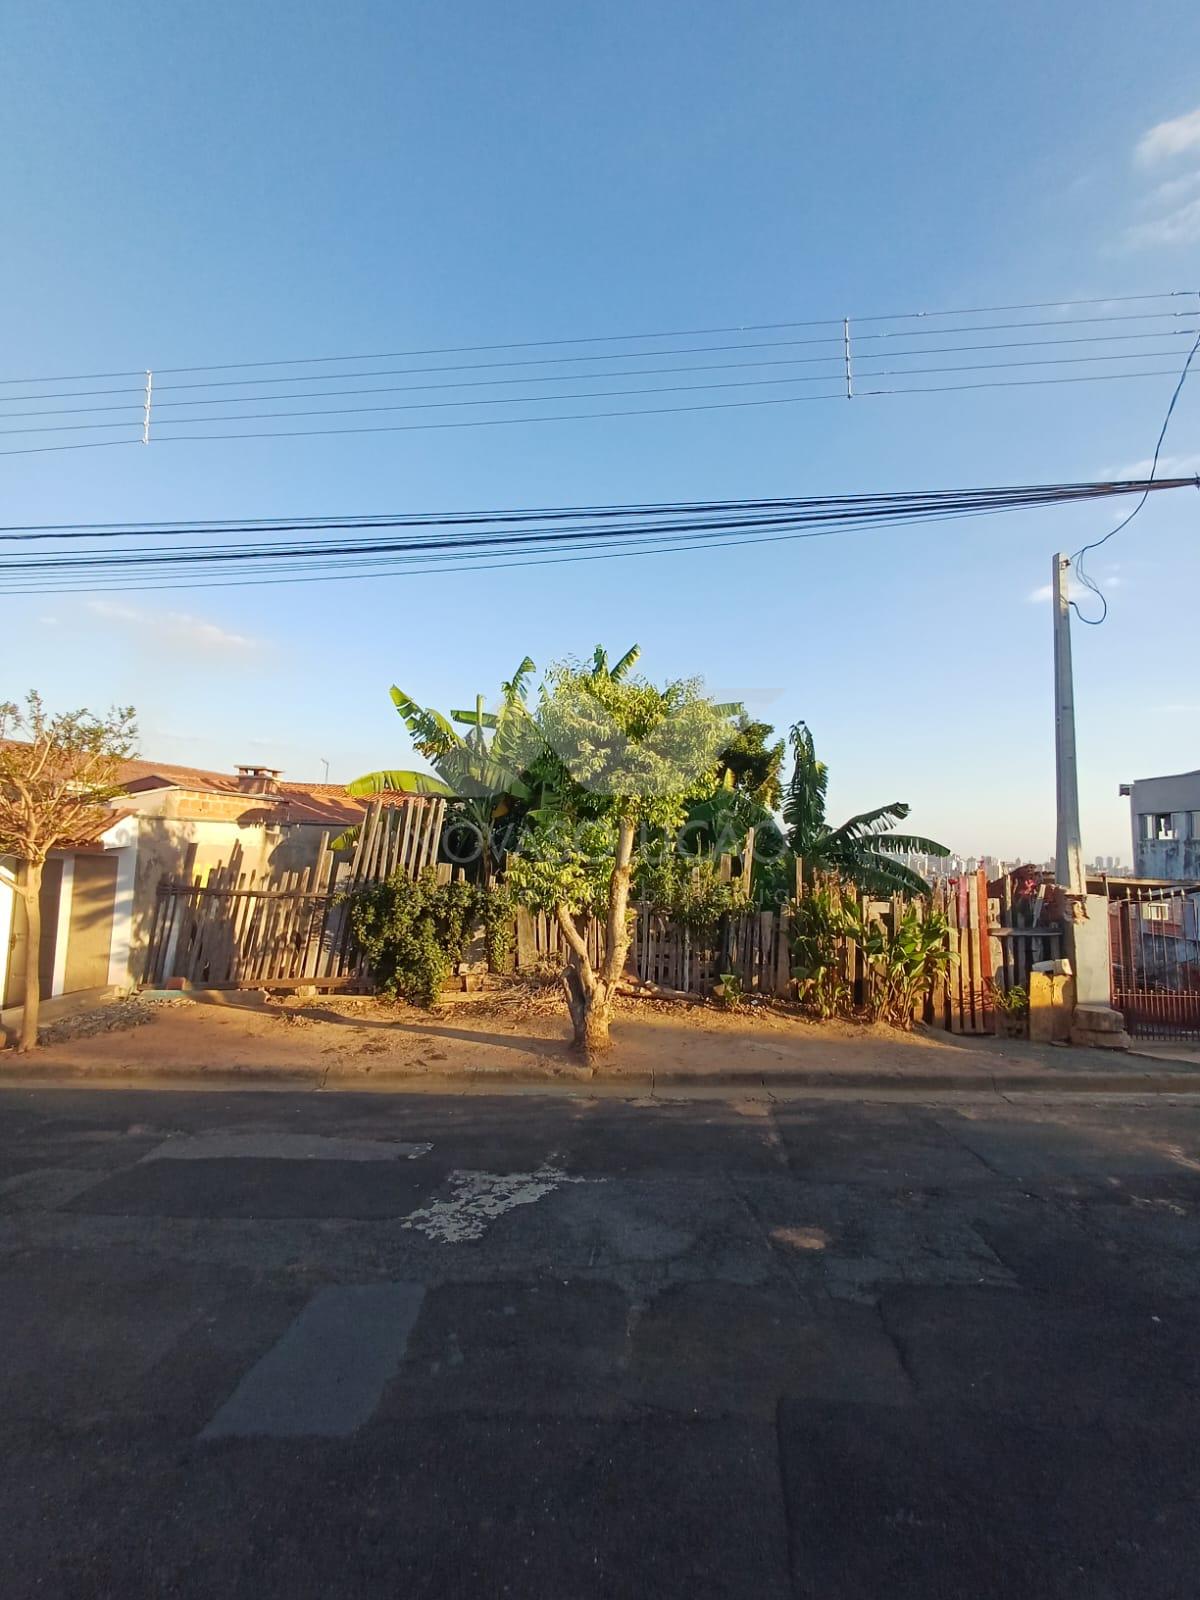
1167	139
178	627
1168	467
153	737
1175	189
1075	590
1181	226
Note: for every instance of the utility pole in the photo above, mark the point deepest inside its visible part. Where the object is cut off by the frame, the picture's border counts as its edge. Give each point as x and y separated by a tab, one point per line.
1093	1022
1068	855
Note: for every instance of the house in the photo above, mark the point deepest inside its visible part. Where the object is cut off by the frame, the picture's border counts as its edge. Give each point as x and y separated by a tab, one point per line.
99	894
1165	825
86	902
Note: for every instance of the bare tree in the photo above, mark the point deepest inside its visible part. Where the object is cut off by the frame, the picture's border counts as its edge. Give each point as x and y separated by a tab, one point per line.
57	776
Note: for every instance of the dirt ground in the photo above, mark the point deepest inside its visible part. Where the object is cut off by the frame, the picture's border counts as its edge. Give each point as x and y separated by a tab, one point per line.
519	1032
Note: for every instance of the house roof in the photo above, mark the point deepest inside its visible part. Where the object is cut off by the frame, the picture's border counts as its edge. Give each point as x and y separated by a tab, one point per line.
92	838
317	803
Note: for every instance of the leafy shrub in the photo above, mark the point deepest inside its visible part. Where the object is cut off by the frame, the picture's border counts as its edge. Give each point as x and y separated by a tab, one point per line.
819	924
414	934
730	993
1013	1001
498	927
688	891
902	961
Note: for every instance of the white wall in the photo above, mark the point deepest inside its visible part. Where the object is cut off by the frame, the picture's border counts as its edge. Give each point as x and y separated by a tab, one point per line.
123	839
8	893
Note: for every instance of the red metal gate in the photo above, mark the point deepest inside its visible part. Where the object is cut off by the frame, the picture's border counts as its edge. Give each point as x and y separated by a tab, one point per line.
1154	936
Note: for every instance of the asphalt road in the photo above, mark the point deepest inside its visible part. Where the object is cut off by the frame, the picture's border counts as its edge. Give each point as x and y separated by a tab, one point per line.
276	1345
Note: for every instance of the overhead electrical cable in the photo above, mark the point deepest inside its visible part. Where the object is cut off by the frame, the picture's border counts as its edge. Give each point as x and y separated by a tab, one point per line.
414	540
503	564
1150	484
981	366
620	338
882	361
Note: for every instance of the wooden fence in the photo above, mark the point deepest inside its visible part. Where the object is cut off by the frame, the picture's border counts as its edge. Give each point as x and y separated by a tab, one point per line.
677	960
984	951
238	929
234	932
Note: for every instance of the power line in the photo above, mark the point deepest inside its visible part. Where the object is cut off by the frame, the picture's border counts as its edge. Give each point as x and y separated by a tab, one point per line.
835	361
799	503
719	518
587	416
1029	305
658	528
1077	558
595	394
367	567
1044	322
627	355
534	344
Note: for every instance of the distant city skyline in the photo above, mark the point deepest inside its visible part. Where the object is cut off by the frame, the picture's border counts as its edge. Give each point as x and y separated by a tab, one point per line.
930	866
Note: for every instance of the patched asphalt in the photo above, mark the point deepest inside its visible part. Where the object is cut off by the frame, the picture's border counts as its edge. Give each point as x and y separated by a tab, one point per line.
279	1345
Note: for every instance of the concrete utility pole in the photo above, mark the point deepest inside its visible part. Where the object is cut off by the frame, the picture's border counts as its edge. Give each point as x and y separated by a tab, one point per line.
1068	855
1094	1022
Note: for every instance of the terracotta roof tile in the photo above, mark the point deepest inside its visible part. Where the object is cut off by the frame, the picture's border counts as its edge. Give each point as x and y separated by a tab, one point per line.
318	803
93	838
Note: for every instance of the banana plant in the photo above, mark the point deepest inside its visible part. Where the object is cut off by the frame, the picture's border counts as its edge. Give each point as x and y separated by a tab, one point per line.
482	771
863	848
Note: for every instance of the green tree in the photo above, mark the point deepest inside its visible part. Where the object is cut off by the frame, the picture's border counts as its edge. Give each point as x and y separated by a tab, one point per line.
629	756
752	766
863	848
58	774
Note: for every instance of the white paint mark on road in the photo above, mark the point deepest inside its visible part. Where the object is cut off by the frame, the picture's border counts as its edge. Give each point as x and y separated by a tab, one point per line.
325	1376
283	1147
479	1198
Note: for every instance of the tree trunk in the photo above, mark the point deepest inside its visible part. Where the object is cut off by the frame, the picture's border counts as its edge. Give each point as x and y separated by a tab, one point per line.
31	894
589	1000
590	993
617	940
591	1031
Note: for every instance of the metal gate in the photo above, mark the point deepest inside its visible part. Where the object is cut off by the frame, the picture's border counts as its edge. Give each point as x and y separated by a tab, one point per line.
1154	938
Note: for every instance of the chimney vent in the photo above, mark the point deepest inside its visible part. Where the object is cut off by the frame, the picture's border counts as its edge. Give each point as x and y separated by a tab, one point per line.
258	780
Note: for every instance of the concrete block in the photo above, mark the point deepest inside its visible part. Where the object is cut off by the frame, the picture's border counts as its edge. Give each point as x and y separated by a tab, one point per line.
1051	1003
1090	1039
1099	1019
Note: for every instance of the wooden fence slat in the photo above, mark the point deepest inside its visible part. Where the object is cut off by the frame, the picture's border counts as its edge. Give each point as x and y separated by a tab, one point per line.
366	841
293	927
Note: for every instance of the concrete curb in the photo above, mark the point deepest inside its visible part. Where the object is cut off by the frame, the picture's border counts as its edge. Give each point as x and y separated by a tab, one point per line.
1087	1082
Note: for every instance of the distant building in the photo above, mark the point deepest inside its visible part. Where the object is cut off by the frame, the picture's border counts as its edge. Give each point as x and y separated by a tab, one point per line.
1164	816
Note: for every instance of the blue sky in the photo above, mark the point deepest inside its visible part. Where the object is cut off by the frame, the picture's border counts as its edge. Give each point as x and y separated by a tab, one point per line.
222	183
